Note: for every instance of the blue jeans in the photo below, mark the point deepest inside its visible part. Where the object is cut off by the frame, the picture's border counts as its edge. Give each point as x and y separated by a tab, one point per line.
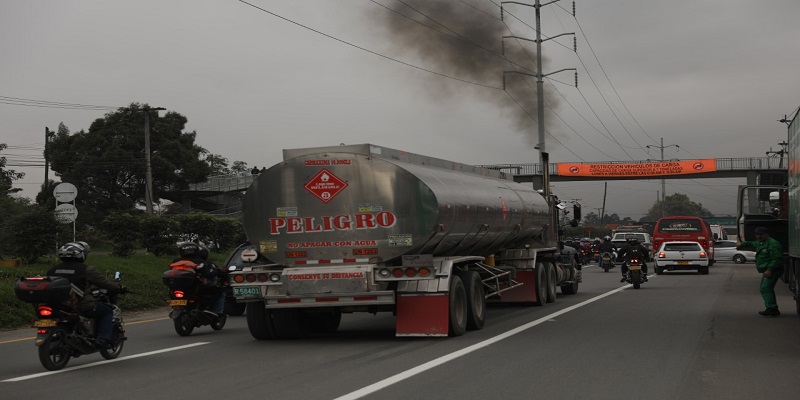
104	316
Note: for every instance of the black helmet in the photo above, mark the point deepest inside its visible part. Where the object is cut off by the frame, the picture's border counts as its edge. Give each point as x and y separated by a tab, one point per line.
188	249
192	249
607	238
74	251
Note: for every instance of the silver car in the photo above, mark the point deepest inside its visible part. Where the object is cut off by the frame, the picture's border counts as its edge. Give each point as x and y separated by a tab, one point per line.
726	250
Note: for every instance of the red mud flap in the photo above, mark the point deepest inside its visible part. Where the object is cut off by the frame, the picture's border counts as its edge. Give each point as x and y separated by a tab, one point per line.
522	294
422	314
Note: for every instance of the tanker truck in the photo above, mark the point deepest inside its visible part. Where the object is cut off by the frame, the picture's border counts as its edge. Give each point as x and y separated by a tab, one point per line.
365	228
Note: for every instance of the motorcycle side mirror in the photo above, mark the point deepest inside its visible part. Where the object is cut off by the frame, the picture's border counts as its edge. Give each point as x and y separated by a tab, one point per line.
117	275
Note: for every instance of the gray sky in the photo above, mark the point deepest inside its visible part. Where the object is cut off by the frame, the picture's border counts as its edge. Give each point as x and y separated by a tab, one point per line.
710	76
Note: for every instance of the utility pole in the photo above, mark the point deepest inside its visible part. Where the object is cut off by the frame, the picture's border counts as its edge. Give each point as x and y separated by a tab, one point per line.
605	191
46	155
780	152
544	158
663	181
148	193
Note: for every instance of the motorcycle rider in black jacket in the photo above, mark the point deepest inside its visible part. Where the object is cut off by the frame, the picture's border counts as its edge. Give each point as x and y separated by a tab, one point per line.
83	277
633	247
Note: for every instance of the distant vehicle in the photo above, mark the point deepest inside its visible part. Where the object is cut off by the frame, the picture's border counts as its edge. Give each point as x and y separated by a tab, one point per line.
684	255
621	238
717	232
726	250
685	228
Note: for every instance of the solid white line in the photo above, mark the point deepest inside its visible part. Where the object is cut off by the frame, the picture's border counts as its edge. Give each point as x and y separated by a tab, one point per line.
149	353
452	356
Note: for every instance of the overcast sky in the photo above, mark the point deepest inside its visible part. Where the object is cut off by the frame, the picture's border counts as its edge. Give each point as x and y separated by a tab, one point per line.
710	76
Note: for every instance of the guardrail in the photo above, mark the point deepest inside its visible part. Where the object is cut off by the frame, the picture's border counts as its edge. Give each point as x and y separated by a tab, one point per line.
224	183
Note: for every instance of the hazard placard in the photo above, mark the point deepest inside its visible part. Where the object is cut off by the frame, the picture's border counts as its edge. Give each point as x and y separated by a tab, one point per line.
325	185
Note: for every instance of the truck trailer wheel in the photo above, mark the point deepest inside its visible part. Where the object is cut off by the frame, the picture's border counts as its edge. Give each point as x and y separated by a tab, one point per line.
476	299
551	282
572	287
324	321
458	307
290	323
259	321
540	288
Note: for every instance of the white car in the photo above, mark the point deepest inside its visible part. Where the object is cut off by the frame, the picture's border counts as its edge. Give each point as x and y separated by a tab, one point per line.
681	256
726	250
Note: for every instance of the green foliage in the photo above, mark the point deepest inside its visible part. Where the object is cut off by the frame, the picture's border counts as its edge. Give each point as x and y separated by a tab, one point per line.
7	176
123	231
677	204
159	234
217	232
106	163
31	232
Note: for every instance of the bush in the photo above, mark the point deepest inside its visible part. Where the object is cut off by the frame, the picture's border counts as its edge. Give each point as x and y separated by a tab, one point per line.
33	232
123	231
159	234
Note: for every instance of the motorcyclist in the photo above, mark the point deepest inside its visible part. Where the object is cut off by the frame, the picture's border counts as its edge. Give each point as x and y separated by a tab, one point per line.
633	247
195	256
82	277
606	246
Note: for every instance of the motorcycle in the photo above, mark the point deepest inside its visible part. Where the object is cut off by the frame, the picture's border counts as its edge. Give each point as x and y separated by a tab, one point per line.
606	261
62	332
191	301
635	275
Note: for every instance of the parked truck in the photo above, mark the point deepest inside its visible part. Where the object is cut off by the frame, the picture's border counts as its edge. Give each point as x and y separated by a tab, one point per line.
777	207
365	228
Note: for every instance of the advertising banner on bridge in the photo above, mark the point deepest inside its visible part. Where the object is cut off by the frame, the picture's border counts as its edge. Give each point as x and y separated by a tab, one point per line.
645	169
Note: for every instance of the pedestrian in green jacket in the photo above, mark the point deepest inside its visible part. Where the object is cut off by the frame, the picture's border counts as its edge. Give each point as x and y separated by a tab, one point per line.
769	263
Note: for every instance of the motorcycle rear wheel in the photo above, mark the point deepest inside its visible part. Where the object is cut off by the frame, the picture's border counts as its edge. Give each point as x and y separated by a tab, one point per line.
54	353
184	326
220	322
636	278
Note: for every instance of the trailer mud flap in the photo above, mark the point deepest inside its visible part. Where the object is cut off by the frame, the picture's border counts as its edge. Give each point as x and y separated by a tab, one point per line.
422	314
522	294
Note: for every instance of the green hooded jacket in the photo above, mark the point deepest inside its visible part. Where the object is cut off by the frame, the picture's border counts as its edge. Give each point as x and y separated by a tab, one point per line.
769	253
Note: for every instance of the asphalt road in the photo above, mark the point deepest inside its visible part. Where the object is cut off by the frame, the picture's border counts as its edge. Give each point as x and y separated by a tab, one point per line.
682	336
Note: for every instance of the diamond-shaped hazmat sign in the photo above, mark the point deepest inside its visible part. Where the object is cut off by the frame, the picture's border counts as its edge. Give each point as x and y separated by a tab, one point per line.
325	185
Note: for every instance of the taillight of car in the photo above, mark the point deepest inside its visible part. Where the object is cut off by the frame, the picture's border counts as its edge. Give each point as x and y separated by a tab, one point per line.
662	255
703	254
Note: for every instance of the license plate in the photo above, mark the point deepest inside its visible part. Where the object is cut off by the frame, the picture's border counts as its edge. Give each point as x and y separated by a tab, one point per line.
173	303
635	267
683	263
247	291
45	323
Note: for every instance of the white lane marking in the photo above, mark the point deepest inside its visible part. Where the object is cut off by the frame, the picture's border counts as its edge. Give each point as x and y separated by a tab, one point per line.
149	353
367	390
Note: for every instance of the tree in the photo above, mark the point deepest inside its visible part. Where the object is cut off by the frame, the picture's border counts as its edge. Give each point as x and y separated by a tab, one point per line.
677	204
107	162
7	176
218	163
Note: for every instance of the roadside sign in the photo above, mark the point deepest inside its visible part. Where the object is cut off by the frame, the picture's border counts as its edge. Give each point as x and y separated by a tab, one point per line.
66	213
65	192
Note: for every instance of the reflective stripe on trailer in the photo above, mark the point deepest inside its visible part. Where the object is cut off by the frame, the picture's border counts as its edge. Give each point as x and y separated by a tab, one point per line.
332	261
384	298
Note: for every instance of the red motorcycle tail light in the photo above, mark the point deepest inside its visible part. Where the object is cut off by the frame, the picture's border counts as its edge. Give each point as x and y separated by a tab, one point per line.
44	311
178	294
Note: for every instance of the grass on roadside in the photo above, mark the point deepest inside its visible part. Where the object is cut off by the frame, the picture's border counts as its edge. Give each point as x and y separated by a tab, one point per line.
141	273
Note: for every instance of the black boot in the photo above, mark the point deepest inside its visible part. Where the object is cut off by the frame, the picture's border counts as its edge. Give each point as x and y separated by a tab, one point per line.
623	279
